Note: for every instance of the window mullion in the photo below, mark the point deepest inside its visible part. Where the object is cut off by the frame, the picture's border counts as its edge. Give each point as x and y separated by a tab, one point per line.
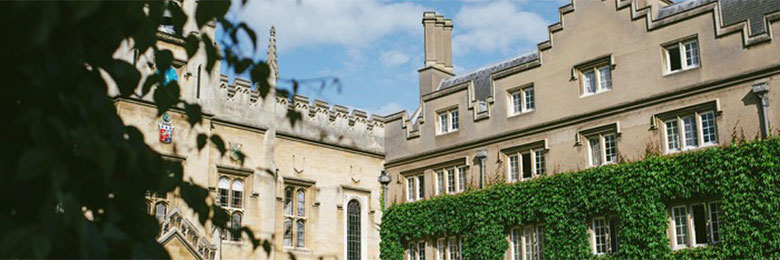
597	79
683	57
699	129
603	149
682	135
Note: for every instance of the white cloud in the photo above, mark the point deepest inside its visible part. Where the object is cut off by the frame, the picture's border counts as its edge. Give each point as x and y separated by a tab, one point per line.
393	58
352	23
388	109
498	26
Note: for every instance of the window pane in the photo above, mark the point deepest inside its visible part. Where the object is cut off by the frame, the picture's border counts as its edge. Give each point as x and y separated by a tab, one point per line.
679	215
421	251
441	247
675	63
692	53
237	196
605	78
410	188
300	233
224	190
440	181
235	227
453	249
539	162
595	151
708	133
699	223
288	201
514	170
528	241
517	102
515	244
159	211
443	121
353	230
600	231
672	135
461	178
526	165
691	135
454	117
529	99
412	248
589	82
614	225
288	232
301	202
540	242
715	222
451	180
420	186
610	148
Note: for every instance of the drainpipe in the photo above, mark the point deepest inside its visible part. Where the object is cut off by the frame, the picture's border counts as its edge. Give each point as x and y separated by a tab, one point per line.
481	158
761	90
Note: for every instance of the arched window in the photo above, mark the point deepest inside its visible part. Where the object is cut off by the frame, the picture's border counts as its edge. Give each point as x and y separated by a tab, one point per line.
238	193
288	201
159	211
300	228
301	202
224	187
353	230
235	226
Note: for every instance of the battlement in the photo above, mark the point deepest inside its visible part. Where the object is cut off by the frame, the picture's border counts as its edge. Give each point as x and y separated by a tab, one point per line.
320	121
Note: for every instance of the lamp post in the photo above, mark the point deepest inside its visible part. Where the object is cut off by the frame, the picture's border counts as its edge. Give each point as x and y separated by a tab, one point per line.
384	179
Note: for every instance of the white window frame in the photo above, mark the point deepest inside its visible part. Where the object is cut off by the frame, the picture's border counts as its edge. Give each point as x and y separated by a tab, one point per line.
528	236
294	216
682	145
691	225
681	47
441	182
535	170
599	83
419	252
602	148
518	99
413	187
451	122
462	172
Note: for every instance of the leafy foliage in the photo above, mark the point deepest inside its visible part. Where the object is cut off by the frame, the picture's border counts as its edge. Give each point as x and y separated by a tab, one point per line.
744	177
74	176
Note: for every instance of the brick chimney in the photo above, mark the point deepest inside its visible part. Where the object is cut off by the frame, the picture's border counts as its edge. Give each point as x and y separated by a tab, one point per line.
438	52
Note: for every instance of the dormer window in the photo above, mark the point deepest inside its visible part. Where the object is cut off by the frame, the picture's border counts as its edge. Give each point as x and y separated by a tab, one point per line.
448	121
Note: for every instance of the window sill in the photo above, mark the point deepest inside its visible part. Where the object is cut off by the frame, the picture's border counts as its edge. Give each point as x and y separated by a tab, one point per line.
596	93
231	242
517	114
704	146
297	249
671	73
447	133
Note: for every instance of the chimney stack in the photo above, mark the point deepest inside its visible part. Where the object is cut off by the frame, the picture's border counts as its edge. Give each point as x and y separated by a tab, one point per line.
438	51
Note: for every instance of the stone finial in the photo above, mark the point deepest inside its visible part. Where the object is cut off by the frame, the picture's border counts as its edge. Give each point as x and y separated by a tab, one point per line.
272	63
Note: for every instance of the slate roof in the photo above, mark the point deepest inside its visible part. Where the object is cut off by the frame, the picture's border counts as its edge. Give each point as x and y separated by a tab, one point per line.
732	12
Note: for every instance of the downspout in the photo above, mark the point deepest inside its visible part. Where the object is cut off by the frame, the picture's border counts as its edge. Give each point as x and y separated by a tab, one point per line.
761	90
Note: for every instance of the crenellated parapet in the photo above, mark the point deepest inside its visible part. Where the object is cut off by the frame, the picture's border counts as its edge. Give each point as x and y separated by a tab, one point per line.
319	122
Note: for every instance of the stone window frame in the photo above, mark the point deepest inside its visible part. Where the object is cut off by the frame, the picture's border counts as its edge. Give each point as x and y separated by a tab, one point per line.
417	187
690	223
595	66
294	216
232	175
532	149
600	133
681	46
521	92
696	111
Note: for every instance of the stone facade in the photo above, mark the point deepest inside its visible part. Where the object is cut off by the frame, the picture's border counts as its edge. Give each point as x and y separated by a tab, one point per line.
645	94
333	156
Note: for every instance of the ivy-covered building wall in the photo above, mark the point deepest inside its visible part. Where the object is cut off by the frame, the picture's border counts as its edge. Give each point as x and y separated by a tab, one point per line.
744	177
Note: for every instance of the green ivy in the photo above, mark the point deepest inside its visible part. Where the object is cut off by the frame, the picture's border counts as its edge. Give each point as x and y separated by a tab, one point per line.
744	177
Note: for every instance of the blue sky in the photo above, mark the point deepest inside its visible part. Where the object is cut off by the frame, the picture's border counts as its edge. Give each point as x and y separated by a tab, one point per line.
375	47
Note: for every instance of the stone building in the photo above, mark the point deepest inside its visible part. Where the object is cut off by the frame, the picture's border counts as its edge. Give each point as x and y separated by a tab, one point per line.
310	188
616	80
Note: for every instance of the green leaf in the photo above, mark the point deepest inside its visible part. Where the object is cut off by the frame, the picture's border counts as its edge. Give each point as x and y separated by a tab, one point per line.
191	45
219	144
259	74
209	10
165	97
194	114
201	141
211	52
125	75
